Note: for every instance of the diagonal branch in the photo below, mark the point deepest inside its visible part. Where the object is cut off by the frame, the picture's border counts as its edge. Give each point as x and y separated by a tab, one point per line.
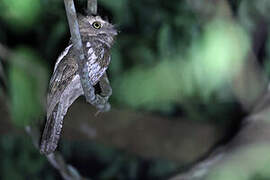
88	89
77	43
67	171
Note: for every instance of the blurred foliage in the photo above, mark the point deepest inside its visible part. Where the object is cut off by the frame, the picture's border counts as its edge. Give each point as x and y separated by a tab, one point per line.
110	163
251	163
105	162
203	73
253	12
28	77
170	57
21	160
20	15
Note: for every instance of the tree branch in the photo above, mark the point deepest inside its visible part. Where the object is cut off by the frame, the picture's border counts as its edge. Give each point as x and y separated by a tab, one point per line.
88	88
145	135
92	7
67	171
77	43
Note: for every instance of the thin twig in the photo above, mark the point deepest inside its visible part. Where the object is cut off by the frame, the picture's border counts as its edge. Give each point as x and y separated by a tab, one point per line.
67	171
92	7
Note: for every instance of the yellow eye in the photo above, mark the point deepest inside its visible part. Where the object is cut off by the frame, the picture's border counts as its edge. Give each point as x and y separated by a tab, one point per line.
96	25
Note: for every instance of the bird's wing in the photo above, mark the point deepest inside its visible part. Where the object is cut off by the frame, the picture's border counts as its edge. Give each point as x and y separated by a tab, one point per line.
64	89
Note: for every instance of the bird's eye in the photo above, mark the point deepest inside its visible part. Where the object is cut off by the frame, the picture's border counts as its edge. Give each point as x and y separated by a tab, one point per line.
96	25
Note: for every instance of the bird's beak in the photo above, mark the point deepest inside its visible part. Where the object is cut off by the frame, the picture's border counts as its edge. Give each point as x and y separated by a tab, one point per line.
114	32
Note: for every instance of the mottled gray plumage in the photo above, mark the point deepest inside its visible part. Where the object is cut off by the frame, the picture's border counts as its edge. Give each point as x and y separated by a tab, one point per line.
65	85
